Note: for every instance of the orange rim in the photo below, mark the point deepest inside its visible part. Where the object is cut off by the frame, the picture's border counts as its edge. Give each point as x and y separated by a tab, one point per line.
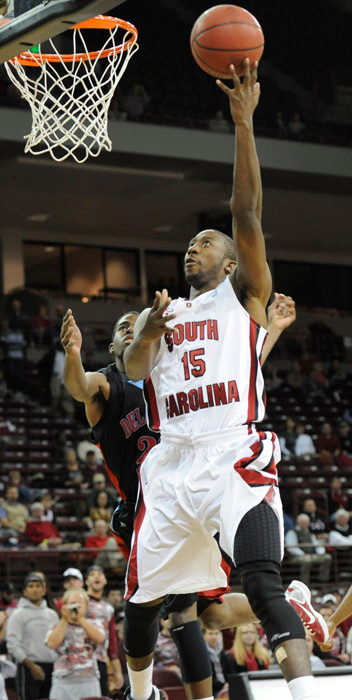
99	22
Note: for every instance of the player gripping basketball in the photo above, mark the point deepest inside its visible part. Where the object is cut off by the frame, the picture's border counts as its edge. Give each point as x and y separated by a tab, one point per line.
213	470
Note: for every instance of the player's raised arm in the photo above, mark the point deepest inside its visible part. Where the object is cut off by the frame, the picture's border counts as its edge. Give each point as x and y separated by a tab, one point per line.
281	314
252	274
91	388
151	325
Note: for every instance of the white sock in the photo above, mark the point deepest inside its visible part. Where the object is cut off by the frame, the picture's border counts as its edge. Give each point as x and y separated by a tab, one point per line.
141	683
303	688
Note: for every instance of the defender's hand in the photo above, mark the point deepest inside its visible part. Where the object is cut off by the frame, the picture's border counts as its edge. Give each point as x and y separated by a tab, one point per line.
71	337
244	96
281	312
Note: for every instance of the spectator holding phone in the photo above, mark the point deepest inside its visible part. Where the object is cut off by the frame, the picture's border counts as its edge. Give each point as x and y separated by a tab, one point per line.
75	639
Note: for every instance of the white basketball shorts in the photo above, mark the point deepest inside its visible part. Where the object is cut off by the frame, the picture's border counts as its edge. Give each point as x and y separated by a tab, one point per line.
193	488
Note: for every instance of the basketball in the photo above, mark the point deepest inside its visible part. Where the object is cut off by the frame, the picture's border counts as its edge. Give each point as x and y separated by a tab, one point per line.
226	34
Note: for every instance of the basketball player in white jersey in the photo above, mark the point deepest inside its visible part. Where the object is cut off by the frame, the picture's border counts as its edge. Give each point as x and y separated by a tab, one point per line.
213	471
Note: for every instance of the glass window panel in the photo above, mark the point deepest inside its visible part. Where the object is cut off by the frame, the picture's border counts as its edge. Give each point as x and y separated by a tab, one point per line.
42	265
163	270
121	268
84	270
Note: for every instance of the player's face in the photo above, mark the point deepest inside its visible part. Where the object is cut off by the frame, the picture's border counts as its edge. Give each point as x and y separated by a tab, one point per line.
123	335
205	260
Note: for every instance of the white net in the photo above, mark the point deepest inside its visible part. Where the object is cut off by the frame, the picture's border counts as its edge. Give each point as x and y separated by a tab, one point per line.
70	99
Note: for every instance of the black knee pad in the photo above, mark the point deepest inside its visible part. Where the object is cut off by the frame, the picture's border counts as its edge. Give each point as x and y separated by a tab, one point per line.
194	655
258	536
140	629
263	586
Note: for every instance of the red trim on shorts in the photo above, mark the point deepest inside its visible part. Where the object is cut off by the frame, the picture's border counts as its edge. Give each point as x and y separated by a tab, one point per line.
254	477
112	476
153	413
218	592
132	572
252	414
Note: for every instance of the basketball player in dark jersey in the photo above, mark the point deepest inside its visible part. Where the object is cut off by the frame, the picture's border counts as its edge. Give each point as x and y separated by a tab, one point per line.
115	411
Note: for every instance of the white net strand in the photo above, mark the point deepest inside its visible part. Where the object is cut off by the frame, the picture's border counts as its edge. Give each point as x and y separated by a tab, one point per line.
70	101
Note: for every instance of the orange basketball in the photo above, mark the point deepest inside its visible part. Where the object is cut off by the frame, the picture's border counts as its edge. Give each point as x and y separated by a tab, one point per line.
226	34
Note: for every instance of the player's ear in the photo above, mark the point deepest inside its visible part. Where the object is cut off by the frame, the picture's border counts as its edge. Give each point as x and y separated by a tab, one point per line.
230	265
111	348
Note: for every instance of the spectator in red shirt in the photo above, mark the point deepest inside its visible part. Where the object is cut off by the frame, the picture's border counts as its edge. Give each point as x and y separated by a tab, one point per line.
327	445
337	497
39	531
105	548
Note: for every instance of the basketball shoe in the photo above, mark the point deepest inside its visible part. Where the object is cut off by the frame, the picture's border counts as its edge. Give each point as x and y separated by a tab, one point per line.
298	595
157	694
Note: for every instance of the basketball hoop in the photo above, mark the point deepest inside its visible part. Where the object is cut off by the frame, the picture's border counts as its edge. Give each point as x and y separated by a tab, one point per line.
71	96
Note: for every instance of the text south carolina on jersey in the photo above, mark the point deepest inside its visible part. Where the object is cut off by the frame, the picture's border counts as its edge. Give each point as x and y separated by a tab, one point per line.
203	397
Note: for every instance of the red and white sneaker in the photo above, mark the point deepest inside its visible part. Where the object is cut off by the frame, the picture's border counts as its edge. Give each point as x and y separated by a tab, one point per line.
298	595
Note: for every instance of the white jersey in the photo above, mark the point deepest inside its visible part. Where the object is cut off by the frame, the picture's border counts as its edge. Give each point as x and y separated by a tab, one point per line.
207	374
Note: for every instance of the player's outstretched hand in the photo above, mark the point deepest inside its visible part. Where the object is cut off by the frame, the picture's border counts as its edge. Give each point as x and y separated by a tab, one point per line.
71	338
281	312
244	96
156	323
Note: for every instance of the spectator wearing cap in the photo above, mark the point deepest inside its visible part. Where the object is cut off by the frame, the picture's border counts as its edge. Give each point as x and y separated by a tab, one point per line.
100	609
72	579
27	628
75	640
104	547
40	531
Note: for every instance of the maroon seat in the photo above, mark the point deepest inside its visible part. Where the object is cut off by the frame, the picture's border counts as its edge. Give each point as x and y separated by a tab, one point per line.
164	678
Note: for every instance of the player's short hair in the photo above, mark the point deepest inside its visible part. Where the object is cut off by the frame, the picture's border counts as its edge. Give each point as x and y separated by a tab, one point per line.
230	250
127	313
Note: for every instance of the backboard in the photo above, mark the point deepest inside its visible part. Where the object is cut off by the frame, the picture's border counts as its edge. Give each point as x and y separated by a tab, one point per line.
30	22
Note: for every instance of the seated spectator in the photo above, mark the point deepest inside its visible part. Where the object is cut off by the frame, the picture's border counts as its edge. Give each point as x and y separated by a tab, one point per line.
341	530
16	513
214	643
47	502
135	102
14	345
247	654
99	484
60	446
304	549
337	497
318	382
272	379
304	445
39	531
24	493
105	547
75	640
345	437
42	327
27	627
102	508
86	445
338	651
73	475
327	445
288	438
166	653
92	465
297	380
317	525
219	123
316	663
